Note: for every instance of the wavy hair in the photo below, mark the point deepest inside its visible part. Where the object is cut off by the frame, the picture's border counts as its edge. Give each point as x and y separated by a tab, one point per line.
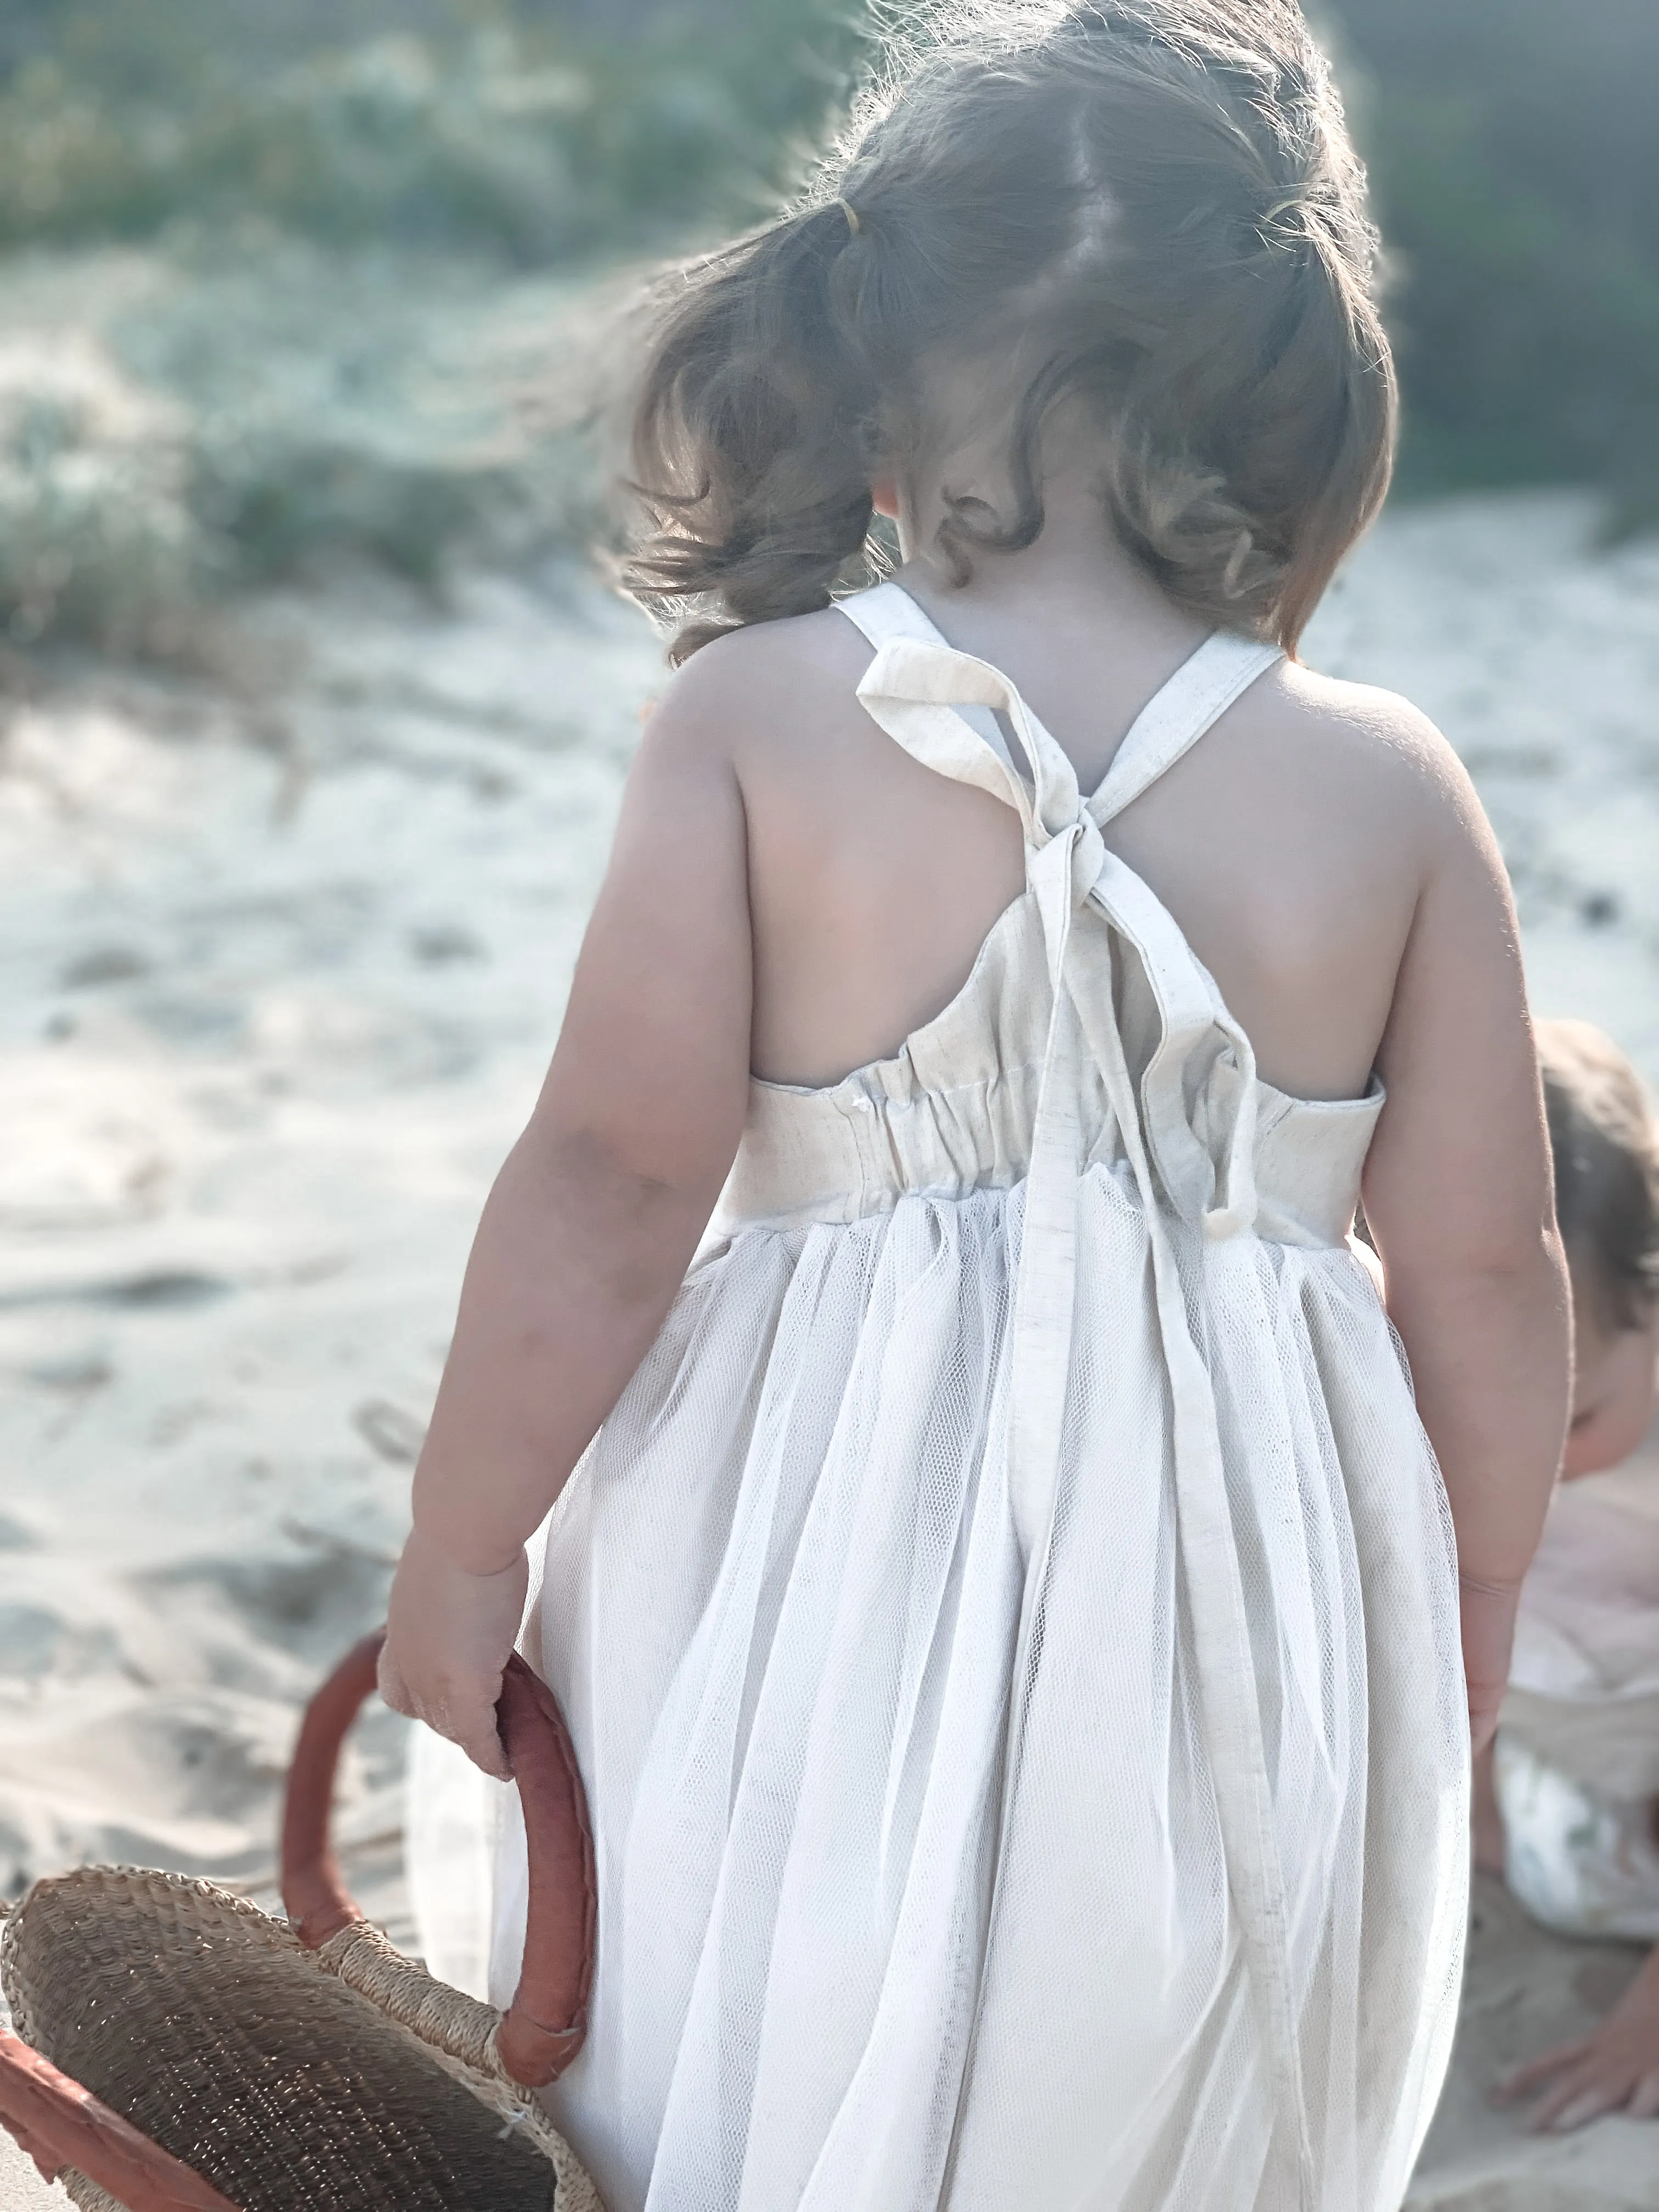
1605	1141
1155	203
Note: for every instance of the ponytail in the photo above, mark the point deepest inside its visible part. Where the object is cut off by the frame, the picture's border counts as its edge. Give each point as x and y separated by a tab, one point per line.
1155	203
750	446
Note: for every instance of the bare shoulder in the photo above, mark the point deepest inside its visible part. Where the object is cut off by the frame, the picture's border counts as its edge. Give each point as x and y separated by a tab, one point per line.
770	686
1375	736
1362	757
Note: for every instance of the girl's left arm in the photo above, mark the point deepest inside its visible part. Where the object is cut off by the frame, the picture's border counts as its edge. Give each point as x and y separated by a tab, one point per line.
588	1229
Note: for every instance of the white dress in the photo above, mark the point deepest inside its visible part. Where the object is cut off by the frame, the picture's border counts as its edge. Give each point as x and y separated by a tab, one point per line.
1008	1625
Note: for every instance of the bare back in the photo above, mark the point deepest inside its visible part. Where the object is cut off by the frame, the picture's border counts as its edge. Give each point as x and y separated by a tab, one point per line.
1290	844
792	896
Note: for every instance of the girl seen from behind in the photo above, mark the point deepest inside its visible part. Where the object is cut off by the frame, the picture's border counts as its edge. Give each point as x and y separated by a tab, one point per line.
1006	1606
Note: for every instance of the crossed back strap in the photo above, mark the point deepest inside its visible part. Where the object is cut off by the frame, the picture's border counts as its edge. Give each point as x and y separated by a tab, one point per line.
1172	721
1094	907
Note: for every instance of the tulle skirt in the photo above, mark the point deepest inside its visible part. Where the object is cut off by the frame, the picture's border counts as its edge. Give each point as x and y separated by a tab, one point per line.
882	1926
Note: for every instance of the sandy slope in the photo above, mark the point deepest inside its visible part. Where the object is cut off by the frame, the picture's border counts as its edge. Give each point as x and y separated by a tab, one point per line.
22	2189
1540	661
278	972
279	985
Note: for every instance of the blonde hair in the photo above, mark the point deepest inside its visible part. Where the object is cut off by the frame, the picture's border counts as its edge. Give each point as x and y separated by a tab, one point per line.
1606	1143
1161	194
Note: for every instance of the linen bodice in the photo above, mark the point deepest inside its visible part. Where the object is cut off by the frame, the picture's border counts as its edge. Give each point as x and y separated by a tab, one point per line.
954	1109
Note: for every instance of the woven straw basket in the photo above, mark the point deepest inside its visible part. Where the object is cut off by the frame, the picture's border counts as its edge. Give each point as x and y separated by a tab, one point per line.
182	2051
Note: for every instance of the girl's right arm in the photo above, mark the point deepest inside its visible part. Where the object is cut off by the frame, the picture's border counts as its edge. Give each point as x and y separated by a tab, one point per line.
592	1219
1459	1198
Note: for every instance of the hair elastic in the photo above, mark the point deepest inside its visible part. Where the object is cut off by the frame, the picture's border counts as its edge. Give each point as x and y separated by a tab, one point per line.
853	225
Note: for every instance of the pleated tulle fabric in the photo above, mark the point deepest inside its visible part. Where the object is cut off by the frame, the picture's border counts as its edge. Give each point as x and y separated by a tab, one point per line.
1020	1783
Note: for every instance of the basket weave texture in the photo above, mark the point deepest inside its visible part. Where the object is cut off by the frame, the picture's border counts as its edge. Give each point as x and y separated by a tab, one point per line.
255	2062
192	2052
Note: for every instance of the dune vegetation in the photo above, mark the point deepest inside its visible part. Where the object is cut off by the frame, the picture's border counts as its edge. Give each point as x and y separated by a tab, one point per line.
283	286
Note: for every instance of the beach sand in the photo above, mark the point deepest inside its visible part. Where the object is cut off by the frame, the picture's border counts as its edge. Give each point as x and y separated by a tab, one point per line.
22	2189
283	956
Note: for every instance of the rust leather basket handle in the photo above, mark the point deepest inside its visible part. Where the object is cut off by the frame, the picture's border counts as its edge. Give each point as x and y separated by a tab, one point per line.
59	2123
543	2028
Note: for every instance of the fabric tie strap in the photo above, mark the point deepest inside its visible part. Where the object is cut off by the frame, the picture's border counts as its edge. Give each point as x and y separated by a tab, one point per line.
913	689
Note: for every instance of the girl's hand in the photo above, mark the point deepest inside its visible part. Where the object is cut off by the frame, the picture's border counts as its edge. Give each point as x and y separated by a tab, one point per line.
1488	1611
448	1636
1490	1841
1614	2069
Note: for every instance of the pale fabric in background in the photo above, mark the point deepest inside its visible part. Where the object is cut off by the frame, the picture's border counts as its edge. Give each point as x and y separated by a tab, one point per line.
1577	1761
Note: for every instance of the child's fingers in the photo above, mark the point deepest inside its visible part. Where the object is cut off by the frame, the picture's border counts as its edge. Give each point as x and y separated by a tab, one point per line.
1587	2092
469	1721
465	1716
1521	2081
393	1687
482	1746
1644	2098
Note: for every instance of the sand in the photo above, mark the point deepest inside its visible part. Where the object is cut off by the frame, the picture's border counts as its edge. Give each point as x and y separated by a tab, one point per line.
281	958
22	2189
281	975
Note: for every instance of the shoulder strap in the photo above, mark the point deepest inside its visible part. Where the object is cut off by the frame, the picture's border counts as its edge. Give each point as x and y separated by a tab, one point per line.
887	611
1173	719
1171	723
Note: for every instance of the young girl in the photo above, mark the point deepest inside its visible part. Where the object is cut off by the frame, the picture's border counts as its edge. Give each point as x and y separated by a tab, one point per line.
1006	1606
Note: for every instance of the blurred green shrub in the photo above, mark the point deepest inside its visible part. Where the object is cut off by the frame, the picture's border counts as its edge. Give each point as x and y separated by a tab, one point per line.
345	209
381	144
338	211
515	130
97	536
173	429
1514	150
